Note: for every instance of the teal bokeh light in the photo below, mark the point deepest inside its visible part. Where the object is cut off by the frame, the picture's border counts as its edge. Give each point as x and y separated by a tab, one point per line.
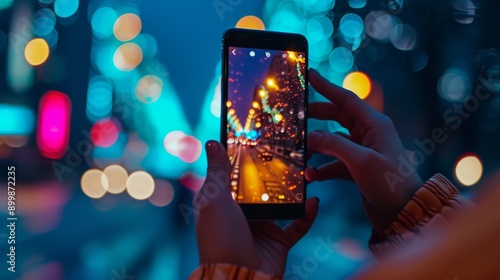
66	8
103	21
16	120
341	60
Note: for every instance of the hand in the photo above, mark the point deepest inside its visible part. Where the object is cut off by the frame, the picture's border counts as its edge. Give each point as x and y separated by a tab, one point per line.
370	156
225	236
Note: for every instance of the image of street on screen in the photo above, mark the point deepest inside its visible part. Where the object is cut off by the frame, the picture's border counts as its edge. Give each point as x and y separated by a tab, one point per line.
266	125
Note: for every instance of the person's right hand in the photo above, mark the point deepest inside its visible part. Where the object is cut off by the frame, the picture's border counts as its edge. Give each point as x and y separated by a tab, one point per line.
370	155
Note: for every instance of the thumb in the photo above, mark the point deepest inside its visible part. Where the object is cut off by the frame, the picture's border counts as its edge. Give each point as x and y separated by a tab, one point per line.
216	185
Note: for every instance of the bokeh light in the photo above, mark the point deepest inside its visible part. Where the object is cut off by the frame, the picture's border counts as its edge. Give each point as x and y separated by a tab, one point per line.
37	51
264	197
359	83
316	6
16	120
163	193
128	56
468	169
403	37
127	27
54	123
44	21
251	22
464	11
454	85
351	25
94	183
357	4
341	60
66	8
149	89
104	133
183	146
140	185
379	24
318	28
117	178
99	98
103	22
5	4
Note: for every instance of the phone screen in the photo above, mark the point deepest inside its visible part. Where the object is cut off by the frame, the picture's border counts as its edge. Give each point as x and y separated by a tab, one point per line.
266	98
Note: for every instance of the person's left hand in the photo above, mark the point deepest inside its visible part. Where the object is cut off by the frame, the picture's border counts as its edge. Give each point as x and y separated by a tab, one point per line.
225	236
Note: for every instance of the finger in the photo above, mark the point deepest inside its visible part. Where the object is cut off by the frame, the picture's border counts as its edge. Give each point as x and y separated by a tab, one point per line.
346	101
332	144
311	152
298	228
216	185
329	111
331	170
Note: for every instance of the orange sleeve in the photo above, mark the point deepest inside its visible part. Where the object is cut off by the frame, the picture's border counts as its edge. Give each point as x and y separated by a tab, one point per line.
436	202
228	271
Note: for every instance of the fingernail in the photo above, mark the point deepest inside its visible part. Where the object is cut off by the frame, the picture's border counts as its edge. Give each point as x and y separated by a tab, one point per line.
313	138
211	147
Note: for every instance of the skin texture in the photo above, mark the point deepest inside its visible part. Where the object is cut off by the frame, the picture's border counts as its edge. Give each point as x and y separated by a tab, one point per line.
367	156
225	236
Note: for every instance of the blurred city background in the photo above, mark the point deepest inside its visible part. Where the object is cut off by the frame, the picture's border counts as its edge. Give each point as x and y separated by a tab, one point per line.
104	190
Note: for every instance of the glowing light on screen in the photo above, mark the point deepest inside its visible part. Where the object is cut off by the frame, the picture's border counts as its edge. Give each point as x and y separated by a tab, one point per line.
265	197
251	22
94	183
53	124
16	120
66	8
359	83
149	89
469	169
140	185
36	51
163	194
117	178
127	57
127	27
103	22
104	133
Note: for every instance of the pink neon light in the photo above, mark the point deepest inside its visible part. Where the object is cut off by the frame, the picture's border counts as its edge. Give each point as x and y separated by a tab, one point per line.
53	124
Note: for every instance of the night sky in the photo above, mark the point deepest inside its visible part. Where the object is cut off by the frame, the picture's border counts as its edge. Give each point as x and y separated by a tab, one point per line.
247	72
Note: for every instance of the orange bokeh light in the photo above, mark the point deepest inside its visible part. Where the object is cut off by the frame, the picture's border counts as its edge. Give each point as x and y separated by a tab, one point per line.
359	83
251	22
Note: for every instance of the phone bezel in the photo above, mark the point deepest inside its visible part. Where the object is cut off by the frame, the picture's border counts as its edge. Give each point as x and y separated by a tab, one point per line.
248	38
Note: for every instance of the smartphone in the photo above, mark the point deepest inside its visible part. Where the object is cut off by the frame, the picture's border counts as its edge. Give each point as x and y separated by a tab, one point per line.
264	121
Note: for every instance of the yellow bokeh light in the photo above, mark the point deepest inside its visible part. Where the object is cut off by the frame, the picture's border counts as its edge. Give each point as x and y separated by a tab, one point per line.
231	112
127	27
256	105
278	117
229	104
94	183
251	22
258	124
117	177
262	93
359	83
469	170
251	112
149	89
128	56
270	82
37	51
140	185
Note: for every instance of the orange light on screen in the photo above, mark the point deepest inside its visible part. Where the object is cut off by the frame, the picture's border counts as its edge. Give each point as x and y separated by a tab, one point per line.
359	83
36	51
54	122
127	27
251	22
